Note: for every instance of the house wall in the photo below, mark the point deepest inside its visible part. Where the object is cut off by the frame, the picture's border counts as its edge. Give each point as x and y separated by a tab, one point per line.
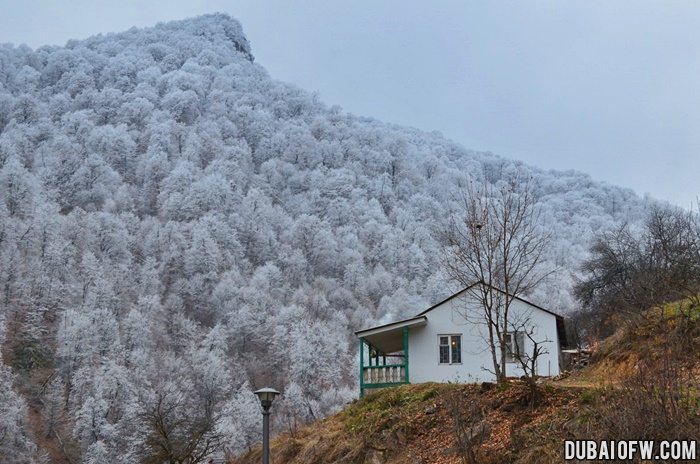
458	316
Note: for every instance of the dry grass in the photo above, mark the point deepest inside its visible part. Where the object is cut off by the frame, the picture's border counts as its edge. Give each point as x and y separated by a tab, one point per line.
651	360
417	423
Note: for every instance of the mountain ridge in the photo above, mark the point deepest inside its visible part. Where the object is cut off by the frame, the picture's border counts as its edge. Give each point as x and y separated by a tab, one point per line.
170	216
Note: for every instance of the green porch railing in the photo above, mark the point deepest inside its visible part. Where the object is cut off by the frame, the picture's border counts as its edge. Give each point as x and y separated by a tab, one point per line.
381	374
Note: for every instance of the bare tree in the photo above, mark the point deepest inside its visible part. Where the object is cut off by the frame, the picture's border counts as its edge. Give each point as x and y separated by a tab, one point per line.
495	239
526	348
470	429
181	432
629	272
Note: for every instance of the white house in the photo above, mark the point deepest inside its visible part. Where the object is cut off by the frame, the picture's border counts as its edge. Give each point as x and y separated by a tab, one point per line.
446	343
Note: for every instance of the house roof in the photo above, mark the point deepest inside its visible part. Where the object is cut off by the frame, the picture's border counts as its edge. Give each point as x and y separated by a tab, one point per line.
392	325
422	319
388	338
495	288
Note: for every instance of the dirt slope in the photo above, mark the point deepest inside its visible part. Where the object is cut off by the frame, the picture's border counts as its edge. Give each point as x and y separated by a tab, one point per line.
648	370
435	423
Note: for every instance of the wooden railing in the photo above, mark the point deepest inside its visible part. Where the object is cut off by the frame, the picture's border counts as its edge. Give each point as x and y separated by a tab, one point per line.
392	373
383	374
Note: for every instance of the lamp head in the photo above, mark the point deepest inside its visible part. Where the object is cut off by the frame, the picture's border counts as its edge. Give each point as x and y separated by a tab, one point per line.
266	396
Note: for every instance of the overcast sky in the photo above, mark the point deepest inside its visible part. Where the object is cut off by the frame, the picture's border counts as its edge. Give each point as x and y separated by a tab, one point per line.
607	88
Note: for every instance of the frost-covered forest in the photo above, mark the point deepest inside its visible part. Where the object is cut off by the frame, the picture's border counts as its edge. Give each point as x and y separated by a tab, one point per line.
177	229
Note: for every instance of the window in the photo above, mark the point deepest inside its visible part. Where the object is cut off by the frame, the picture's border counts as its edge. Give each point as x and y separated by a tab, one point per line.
515	341
450	349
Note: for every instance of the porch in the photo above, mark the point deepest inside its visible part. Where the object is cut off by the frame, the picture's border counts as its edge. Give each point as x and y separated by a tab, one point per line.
384	354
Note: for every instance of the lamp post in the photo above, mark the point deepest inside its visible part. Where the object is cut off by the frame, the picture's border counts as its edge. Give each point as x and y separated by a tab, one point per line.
266	396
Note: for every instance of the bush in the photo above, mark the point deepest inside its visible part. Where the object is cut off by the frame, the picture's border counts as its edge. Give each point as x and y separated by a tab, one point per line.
657	403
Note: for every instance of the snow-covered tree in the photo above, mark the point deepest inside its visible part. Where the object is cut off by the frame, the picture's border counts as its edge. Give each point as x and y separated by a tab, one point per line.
170	215
15	445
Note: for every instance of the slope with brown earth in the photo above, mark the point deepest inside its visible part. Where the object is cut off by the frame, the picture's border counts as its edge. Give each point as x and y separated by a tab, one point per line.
434	423
648	370
669	333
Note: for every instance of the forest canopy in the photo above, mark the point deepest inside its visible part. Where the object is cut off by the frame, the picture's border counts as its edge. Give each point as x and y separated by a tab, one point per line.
178	228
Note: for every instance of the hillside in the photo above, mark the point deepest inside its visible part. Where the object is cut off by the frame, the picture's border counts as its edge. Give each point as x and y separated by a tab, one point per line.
178	228
660	339
643	384
434	423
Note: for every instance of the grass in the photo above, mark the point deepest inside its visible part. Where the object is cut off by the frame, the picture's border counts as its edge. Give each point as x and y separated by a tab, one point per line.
417	423
386	408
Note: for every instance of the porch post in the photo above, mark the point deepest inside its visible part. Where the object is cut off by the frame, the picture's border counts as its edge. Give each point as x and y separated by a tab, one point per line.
405	353
362	367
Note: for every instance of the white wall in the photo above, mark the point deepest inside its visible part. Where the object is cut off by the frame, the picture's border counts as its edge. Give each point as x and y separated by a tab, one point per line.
449	319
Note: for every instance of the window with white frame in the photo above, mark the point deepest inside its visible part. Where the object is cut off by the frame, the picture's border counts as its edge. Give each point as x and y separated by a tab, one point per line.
450	349
515	346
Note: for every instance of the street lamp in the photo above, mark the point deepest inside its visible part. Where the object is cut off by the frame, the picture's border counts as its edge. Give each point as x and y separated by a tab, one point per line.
266	397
